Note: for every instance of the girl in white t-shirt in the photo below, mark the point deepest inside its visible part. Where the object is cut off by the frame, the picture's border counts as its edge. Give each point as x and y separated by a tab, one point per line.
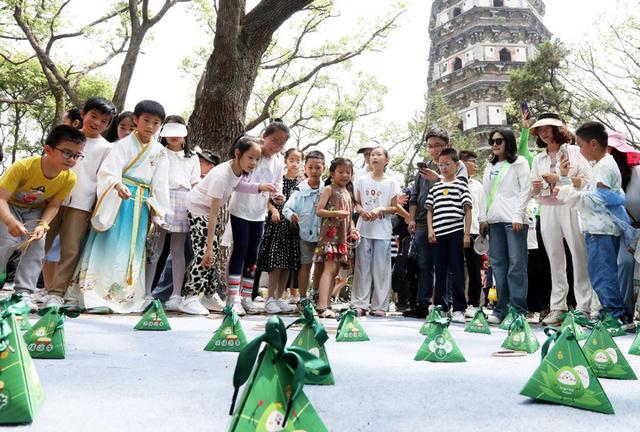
185	173
376	201
205	199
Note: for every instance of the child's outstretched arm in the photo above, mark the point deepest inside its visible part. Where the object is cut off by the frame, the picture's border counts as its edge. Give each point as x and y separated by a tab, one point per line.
254	188
14	226
207	259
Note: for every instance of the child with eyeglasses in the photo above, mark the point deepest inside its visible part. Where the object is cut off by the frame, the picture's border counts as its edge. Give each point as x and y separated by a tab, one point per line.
449	221
31	192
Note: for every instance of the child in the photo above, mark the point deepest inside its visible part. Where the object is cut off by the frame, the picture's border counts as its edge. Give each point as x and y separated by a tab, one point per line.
185	173
335	207
73	117
449	219
72	222
376	201
279	251
248	212
121	127
31	192
205	201
300	210
602	235
132	184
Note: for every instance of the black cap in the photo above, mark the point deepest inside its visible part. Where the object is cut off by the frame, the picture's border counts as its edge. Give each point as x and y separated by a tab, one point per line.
366	147
209	156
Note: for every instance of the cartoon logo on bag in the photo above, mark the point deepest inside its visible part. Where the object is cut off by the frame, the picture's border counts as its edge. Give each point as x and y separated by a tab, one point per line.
440	346
571	382
604	359
272	418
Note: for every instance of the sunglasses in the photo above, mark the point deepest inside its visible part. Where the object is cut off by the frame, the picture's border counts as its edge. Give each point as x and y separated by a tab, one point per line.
70	155
497	141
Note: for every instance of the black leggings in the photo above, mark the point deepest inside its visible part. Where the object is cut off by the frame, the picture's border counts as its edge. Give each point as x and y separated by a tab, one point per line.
246	239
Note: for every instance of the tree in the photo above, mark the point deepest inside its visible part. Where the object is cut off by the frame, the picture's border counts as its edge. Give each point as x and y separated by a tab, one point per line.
241	49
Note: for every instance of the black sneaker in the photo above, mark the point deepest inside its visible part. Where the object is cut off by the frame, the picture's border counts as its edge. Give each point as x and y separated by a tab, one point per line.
419	311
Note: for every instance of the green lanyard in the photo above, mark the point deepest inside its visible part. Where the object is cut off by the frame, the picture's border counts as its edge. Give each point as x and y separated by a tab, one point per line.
494	187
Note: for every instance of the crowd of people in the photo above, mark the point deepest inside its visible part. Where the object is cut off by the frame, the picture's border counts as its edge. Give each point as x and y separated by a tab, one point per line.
120	208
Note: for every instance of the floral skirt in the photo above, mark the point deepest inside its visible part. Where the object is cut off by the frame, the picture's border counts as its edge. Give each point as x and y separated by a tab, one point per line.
340	253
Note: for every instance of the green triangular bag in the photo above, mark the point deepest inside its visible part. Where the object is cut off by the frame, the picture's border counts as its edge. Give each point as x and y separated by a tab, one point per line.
312	338
153	318
439	345
565	377
230	336
349	328
612	324
478	324
506	322
520	337
635	345
22	319
577	321
21	394
273	399
605	357
45	340
435	314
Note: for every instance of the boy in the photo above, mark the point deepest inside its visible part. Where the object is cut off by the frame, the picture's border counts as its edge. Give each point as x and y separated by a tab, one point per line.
72	222
31	192
602	235
448	217
300	209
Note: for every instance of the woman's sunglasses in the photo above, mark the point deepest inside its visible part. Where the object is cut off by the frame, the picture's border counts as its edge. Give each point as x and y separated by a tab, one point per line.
497	141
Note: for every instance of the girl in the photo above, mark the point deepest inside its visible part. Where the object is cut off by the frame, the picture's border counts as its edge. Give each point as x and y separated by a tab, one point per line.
205	200
247	215
335	207
279	252
559	222
185	173
133	186
376	200
507	190
121	127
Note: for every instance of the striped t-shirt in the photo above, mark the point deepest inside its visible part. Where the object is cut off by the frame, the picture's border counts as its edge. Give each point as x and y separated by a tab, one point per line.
448	199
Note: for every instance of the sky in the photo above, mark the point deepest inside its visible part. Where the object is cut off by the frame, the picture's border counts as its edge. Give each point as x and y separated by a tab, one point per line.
401	66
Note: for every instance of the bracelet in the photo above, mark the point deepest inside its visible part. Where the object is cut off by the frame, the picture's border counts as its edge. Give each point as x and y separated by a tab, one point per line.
44	225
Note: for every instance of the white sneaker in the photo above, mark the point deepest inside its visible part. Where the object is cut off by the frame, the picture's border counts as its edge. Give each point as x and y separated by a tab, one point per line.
237	307
28	300
493	319
284	306
470	312
39	296
52	300
147	301
457	317
259	299
272	307
554	318
192	306
249	306
293	300
173	304
214	303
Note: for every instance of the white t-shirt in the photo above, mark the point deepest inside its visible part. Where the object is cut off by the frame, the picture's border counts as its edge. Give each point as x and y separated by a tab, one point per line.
247	202
83	195
372	194
219	183
605	171
184	171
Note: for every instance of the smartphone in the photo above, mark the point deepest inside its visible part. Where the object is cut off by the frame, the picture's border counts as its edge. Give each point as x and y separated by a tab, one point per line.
563	153
421	165
524	107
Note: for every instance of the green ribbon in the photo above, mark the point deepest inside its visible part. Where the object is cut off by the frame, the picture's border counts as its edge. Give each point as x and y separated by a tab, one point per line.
553	334
308	318
156	303
518	322
299	360
579	318
439	321
343	317
480	311
62	312
19	308
229	312
609	321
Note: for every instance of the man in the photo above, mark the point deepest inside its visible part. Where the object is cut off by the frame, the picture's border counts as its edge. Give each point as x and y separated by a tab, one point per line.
437	139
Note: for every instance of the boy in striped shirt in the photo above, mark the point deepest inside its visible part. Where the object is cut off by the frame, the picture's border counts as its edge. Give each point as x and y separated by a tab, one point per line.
449	219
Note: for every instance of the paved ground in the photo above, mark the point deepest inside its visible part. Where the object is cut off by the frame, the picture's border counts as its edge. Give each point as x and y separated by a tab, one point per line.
118	379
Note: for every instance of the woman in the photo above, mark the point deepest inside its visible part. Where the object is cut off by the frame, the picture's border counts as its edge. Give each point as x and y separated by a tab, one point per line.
559	222
507	190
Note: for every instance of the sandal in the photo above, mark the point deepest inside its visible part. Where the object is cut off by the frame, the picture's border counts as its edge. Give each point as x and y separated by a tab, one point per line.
326	313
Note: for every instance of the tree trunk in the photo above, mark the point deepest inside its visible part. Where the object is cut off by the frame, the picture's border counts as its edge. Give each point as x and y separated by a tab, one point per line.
126	71
224	90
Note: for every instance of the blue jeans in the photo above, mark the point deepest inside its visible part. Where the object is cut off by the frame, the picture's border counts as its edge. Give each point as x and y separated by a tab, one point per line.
508	255
426	260
450	260
603	271
626	266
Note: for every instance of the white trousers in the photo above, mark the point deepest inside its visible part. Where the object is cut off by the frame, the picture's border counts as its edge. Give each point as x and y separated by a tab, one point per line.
373	264
558	223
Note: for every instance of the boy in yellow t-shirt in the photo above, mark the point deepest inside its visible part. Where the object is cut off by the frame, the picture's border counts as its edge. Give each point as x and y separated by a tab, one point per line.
31	192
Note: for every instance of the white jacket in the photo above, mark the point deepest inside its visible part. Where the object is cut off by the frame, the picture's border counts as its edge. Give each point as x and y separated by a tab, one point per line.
512	196
579	167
